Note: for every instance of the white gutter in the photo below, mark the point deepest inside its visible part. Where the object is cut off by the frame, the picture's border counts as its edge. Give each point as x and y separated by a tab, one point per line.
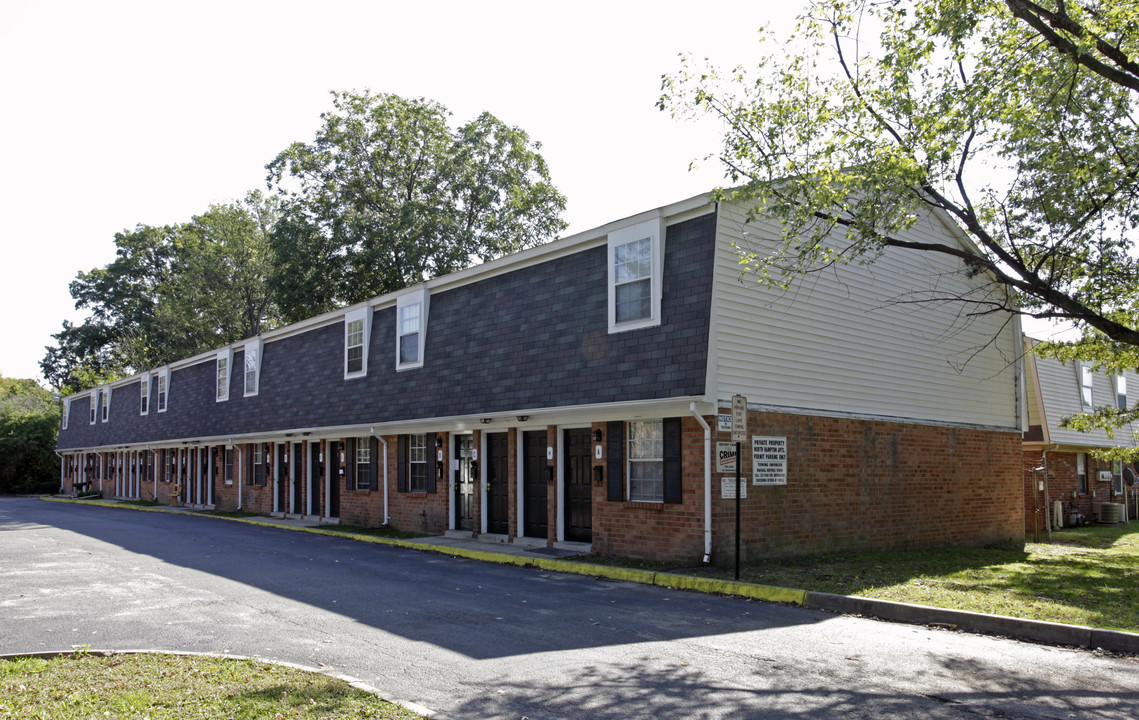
707	483
387	518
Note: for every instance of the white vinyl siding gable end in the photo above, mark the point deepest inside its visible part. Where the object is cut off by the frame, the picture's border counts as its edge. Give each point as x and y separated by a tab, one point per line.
1061	396
846	341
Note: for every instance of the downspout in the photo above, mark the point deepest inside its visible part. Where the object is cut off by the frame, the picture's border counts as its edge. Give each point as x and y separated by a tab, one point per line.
707	483
387	518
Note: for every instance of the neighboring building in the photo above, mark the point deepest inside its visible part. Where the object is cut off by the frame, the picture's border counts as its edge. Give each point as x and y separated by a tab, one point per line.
1064	483
575	392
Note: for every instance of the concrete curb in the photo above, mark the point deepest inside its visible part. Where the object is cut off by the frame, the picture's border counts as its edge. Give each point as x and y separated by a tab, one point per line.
353	682
1038	631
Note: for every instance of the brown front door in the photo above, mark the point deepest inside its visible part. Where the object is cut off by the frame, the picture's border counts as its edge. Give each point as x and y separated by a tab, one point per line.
579	492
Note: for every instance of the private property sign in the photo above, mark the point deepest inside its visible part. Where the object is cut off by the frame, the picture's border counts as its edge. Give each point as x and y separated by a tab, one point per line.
768	460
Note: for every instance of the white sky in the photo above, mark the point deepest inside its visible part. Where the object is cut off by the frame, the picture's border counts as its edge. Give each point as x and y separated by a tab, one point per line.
119	113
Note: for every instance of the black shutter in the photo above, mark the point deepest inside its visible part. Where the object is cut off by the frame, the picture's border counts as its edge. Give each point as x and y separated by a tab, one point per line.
615	460
248	464
431	453
673	470
350	464
374	456
401	464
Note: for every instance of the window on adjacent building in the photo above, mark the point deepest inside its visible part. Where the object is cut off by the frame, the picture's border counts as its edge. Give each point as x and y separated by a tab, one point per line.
635	267
105	401
417	463
252	367
411	329
144	395
356	342
1120	384
163	388
646	460
222	376
363	464
1082	473
1117	477
1085	386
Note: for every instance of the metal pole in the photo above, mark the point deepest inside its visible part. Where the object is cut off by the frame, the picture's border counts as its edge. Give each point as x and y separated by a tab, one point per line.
738	493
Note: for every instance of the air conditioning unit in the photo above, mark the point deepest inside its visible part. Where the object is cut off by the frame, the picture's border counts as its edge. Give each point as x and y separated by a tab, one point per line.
1108	513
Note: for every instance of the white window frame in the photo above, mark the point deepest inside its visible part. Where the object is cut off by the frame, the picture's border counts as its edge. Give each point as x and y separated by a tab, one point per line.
417	452
94	406
222	370
421	299
363	316
363	457
1084	379
642	453
1082	473
163	389
105	401
144	394
66	412
1116	477
251	367
653	231
227	465
1119	385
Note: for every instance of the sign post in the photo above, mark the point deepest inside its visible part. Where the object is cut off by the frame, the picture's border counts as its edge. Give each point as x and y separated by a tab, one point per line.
739	436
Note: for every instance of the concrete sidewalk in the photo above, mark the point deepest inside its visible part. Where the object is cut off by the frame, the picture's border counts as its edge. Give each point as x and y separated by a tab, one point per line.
526	552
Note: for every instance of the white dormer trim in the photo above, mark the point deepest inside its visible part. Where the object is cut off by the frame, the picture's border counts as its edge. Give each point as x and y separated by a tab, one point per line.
357	340
251	367
105	399
414	305
144	394
652	231
163	388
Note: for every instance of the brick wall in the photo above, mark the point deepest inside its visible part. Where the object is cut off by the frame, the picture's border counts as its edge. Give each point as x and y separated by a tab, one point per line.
1061	482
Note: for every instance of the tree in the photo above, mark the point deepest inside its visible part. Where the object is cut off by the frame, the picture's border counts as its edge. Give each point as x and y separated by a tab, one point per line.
29	429
171	292
387	195
1013	117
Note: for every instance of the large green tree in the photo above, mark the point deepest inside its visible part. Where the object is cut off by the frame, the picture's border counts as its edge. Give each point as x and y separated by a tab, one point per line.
171	292
29	428
1016	118
388	195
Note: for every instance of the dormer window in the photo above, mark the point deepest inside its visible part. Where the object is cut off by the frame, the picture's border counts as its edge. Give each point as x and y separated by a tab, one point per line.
66	412
1085	375
252	366
163	388
411	329
105	400
636	264
223	361
144	395
357	329
94	407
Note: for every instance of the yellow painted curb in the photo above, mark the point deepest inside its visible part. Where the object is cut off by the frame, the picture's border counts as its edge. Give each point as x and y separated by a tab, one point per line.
770	593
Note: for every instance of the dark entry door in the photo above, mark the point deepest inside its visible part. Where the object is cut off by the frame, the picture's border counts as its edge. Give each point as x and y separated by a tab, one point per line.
579	492
315	478
332	462
535	523
282	479
464	484
298	477
498	483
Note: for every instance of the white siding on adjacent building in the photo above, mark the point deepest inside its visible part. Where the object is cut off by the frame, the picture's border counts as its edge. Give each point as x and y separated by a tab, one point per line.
1059	397
851	339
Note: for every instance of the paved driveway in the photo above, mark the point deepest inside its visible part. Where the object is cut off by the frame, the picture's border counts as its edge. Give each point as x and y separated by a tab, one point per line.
475	640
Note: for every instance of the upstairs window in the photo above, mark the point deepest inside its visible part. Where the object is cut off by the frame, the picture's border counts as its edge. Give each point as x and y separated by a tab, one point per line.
636	261
1085	375
94	407
222	375
1120	384
253	367
163	388
144	395
105	401
66	412
411	329
356	333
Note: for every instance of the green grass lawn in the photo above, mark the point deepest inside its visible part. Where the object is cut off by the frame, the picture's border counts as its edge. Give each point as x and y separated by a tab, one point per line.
1085	576
173	687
